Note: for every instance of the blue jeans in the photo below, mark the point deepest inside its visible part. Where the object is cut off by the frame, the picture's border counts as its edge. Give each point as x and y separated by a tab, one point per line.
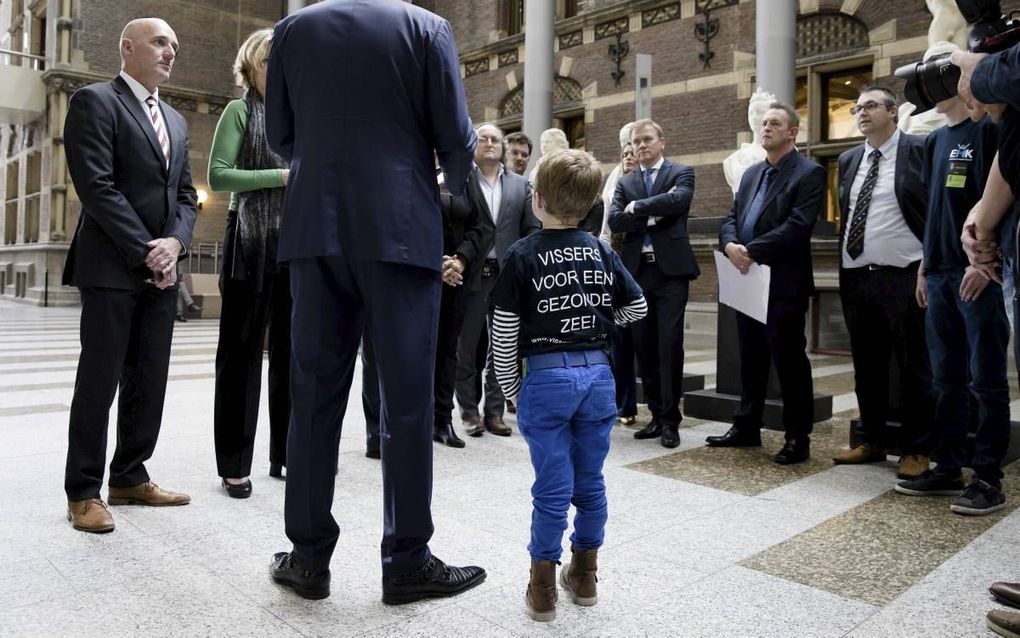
968	336
566	415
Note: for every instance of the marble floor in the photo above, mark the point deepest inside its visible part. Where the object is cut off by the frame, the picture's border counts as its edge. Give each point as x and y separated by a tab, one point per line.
699	543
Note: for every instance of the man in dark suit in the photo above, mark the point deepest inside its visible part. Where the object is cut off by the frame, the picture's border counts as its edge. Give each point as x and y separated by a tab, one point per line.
364	242
502	201
127	154
651	206
883	204
770	223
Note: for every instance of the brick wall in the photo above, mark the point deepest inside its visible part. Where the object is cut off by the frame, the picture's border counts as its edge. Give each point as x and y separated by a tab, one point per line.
471	20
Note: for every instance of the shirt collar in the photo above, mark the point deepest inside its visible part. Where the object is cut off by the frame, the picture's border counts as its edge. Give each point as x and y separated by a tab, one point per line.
499	172
785	161
886	148
137	89
655	167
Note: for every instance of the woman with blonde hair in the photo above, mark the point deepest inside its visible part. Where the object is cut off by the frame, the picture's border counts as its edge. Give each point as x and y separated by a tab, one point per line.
255	290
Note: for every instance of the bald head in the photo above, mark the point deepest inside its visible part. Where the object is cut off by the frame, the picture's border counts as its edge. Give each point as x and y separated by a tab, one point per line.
148	48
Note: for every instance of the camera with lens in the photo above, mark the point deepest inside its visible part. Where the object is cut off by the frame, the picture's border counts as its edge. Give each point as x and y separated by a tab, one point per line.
934	80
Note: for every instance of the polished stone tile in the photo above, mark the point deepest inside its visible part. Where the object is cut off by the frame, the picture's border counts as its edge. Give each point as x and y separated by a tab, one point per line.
740	602
748	471
879	549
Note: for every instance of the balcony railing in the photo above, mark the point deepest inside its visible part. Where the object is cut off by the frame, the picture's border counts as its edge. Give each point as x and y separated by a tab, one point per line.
15	58
23	98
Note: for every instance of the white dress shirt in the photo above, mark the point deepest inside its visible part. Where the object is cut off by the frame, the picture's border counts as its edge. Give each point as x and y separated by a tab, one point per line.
493	194
888	240
141	94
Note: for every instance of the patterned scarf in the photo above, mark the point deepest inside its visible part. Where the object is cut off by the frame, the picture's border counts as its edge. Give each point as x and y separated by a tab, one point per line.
258	212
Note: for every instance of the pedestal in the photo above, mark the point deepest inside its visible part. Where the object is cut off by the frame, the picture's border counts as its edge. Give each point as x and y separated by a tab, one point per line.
719	404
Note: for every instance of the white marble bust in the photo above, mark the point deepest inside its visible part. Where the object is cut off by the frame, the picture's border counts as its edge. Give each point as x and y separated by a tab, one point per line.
751	153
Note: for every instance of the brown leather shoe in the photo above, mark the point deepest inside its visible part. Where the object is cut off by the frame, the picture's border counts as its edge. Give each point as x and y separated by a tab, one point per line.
912	466
541	595
1008	593
863	453
496	425
472	424
578	577
146	494
1004	623
90	515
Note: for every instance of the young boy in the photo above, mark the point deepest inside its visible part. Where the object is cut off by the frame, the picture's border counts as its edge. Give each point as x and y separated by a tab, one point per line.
554	305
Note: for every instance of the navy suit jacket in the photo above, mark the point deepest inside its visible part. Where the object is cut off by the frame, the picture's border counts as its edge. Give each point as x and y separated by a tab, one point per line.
128	196
359	95
782	234
672	193
911	194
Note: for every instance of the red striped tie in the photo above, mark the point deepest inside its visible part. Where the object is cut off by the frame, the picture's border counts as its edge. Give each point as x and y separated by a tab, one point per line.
157	123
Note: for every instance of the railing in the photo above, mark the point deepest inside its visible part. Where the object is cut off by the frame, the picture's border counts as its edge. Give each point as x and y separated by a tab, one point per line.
205	258
7	55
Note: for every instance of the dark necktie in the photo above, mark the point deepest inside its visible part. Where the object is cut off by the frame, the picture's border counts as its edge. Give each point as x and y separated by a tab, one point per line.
757	204
649	184
855	234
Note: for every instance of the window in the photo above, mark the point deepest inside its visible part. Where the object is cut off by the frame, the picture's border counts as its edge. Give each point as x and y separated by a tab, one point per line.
566	9
513	16
824	95
573	126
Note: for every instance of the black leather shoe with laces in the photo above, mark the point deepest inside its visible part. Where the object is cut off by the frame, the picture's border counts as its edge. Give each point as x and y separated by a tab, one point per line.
304	582
434	579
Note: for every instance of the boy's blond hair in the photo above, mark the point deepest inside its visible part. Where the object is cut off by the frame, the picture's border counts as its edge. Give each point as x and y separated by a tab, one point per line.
568	181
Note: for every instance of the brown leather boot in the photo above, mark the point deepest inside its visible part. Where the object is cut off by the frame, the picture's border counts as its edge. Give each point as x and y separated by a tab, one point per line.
912	466
863	453
541	596
90	515
578	576
147	493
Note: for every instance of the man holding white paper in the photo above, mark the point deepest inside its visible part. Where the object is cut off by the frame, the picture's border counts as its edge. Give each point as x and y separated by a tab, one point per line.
770	223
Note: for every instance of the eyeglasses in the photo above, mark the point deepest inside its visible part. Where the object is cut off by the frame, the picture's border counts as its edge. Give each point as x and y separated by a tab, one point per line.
490	139
868	107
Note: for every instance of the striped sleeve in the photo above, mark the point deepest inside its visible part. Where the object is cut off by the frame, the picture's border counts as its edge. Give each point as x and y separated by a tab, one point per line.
630	313
506	327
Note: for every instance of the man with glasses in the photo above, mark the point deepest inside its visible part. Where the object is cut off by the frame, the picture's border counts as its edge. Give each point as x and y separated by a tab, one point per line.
883	206
503	202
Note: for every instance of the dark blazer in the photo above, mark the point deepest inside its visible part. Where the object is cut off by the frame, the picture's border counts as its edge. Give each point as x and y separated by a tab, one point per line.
911	194
398	92
515	220
463	234
782	234
128	196
671	198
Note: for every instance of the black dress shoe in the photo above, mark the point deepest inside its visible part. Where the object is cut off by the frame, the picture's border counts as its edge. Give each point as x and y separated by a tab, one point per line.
276	470
181	318
736	437
650	431
237	491
304	582
794	451
670	436
447	435
373	453
195	308
434	579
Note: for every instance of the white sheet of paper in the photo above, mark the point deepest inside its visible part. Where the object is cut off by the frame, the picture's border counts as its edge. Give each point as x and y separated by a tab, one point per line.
748	293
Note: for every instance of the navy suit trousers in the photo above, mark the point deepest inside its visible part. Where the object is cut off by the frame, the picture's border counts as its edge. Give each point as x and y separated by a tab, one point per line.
334	299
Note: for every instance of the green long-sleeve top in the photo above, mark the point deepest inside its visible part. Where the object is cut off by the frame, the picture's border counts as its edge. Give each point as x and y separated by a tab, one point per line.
225	157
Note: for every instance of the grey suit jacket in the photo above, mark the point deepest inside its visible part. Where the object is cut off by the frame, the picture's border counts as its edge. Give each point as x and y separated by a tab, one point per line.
514	221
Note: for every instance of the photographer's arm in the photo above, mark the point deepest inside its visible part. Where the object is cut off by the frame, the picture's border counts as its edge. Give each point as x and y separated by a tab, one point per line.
979	231
996	78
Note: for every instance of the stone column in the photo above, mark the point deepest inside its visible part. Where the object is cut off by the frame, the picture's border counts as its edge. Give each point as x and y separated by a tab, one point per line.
294	5
539	36
776	47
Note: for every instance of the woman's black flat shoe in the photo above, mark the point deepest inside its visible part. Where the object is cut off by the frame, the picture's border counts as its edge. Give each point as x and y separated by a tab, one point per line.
275	470
237	491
